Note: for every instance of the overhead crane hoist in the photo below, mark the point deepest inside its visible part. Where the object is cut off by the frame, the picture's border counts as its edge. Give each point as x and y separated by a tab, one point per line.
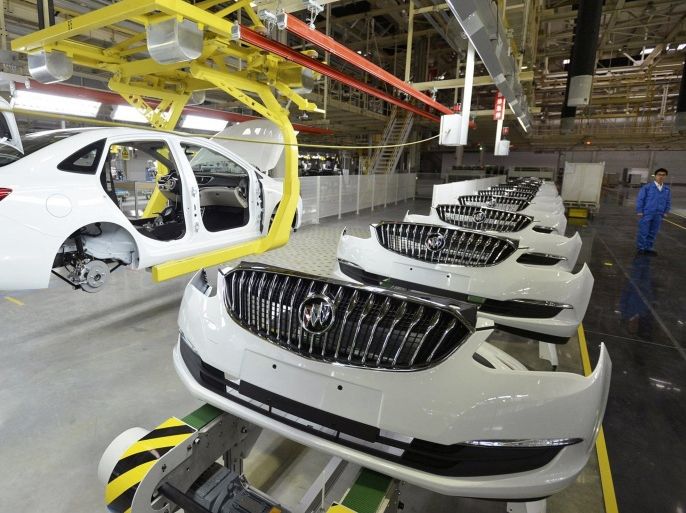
182	49
185	49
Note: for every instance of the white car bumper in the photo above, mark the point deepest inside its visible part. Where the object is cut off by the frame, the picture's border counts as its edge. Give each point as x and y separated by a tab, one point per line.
411	425
534	299
547	243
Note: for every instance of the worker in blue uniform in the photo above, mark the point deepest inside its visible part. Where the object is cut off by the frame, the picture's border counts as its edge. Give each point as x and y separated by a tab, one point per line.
653	202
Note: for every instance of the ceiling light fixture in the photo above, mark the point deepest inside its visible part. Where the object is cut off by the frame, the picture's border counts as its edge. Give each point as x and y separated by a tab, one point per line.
204	123
128	114
43	102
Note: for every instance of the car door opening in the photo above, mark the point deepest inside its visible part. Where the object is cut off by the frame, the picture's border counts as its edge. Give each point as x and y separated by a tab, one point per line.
145	160
223	187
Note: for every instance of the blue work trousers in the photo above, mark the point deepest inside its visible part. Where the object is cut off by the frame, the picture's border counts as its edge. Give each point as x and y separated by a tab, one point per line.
648	227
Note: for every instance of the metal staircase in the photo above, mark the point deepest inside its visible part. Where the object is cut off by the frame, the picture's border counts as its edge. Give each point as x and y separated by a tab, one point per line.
397	131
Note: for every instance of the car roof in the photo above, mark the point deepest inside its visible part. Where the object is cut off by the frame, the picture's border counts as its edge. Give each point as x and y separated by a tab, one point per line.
99	131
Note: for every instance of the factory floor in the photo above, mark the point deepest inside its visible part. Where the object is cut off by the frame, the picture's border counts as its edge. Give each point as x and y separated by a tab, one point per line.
78	369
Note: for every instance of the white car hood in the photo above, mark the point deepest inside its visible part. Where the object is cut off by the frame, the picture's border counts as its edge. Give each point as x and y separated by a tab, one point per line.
263	156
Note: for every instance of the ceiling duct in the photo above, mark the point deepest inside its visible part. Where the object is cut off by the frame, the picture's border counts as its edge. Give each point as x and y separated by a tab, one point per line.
581	61
480	21
680	121
50	67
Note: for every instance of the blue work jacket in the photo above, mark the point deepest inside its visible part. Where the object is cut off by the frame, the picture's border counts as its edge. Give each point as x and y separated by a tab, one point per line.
653	201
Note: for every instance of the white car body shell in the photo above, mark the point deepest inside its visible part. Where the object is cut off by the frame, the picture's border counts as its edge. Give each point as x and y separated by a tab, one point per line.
47	205
505	281
455	401
548	243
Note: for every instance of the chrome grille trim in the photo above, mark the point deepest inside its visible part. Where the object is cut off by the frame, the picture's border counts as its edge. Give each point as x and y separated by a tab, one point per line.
461	247
510	193
373	327
463	216
494	201
519	188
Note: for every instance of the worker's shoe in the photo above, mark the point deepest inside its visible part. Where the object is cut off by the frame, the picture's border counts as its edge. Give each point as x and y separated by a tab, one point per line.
651	252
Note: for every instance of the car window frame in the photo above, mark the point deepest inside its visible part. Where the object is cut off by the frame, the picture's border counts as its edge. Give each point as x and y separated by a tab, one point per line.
231	158
84	170
255	184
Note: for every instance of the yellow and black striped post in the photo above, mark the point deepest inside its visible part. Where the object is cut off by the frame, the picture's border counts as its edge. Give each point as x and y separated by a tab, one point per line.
138	459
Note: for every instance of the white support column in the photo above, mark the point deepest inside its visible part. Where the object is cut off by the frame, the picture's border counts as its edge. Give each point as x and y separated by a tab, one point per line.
319	188
408	51
357	199
340	192
373	186
548	351
498	134
527	507
385	191
467	95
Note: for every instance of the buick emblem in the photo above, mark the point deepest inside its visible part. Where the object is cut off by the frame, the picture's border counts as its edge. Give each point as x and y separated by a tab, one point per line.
479	217
491	203
435	241
316	314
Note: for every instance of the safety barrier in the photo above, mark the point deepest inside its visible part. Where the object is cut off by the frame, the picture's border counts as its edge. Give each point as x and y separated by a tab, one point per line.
326	196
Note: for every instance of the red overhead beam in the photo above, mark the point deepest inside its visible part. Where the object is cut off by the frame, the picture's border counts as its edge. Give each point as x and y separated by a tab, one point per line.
258	40
110	98
303	30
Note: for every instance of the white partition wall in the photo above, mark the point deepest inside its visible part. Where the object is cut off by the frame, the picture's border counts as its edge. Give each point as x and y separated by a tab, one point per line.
326	196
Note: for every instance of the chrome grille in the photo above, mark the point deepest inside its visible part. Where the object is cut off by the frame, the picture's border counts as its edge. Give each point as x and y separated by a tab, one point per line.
459	247
478	218
493	201
370	327
500	189
510	193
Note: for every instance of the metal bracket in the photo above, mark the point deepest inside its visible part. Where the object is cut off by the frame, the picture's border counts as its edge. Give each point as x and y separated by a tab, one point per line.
185	463
314	8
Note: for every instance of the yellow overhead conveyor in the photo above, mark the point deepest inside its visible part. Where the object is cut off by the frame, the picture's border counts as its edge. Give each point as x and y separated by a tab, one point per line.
161	89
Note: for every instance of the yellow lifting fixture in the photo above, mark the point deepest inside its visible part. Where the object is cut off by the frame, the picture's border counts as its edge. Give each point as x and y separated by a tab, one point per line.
181	49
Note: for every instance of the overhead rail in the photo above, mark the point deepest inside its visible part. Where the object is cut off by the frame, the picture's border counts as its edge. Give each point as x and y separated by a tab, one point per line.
303	30
254	38
485	30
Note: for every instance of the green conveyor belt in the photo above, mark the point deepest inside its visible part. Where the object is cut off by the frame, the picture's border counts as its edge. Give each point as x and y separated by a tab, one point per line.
202	416
366	494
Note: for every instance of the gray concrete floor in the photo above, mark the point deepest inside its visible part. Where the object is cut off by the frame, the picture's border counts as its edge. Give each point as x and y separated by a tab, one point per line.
78	369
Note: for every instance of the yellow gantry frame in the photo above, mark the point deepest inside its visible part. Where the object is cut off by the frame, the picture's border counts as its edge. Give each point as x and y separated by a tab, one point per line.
139	79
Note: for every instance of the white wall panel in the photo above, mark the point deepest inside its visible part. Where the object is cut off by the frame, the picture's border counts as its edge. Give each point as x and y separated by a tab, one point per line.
380	189
326	196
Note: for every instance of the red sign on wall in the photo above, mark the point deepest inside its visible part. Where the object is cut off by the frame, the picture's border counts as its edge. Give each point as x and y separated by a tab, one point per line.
499	107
